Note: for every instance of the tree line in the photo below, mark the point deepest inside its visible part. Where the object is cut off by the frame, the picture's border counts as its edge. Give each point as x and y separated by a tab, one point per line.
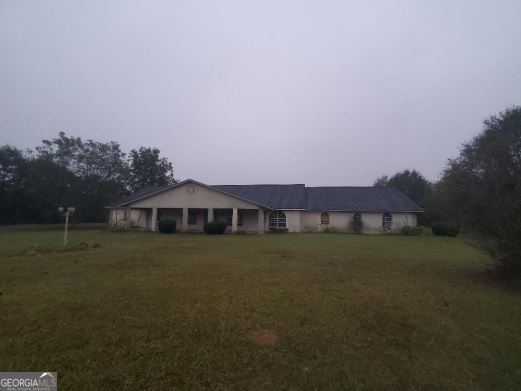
69	171
479	190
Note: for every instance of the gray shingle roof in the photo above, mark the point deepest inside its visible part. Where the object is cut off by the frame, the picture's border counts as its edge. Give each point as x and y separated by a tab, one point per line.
359	199
354	199
273	196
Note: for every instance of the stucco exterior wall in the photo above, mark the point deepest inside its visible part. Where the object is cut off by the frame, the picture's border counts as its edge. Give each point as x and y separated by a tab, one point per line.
372	222
117	216
138	218
342	222
338	222
129	217
250	221
294	220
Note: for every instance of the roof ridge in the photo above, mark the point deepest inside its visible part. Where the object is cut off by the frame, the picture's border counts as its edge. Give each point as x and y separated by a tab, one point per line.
312	187
351	187
268	184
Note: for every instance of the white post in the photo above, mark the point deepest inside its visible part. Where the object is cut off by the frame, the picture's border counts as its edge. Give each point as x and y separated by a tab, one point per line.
66	212
261	221
235	216
154	220
210	215
185	219
128	215
66	229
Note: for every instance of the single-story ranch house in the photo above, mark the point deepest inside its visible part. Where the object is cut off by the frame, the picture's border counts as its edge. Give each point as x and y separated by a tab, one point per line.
261	208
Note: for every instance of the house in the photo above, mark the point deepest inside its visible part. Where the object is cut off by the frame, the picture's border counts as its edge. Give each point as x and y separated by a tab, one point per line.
261	208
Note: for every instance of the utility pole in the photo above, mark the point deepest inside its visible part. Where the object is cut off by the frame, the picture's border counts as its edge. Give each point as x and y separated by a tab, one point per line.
66	212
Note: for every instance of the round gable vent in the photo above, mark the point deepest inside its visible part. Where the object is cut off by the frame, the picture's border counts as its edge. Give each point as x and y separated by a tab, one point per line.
190	189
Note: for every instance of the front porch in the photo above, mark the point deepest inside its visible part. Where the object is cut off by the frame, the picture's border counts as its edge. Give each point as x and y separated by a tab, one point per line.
193	219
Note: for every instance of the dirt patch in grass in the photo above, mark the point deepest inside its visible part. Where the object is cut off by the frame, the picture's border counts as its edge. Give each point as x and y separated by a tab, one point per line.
264	338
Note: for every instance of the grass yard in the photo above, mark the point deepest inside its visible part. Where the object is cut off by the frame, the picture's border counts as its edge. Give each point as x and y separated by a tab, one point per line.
310	311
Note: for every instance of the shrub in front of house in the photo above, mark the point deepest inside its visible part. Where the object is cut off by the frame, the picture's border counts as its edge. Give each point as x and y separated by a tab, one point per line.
167	226
329	230
409	230
445	228
356	224
215	227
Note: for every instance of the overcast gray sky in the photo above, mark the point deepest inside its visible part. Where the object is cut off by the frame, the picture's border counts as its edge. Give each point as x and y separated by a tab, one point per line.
315	92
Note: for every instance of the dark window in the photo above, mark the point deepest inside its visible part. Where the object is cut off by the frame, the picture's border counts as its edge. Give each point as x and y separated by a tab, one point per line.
387	220
192	217
324	218
227	216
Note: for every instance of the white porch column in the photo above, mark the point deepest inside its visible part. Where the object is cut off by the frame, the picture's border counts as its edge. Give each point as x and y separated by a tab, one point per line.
128	215
185	219
210	215
261	221
235	216
154	220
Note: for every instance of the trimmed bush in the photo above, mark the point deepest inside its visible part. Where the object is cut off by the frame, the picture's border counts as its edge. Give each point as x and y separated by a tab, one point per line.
445	228
329	230
356	224
215	227
167	226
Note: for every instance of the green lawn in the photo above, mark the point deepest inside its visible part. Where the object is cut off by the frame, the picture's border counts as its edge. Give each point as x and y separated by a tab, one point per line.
310	311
